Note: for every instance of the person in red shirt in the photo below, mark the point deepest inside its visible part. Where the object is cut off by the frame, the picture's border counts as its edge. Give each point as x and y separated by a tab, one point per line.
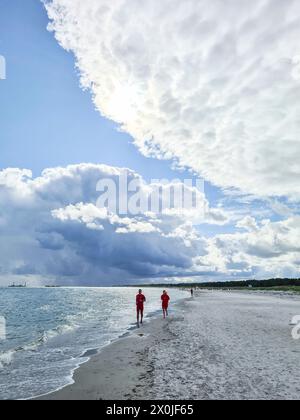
140	300
165	298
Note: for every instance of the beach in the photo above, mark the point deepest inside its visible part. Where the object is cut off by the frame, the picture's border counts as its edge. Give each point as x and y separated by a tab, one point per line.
219	345
50	332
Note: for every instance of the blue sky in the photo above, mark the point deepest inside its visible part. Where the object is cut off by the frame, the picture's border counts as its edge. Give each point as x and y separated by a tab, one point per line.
46	119
204	104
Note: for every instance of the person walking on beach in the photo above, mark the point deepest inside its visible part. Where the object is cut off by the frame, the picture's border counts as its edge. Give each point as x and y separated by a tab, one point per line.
140	300
165	298
192	292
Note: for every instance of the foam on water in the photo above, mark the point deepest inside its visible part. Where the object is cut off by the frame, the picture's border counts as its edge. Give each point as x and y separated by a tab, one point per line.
6	358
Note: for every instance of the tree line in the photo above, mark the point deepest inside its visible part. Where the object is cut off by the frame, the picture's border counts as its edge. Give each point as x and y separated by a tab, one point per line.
275	282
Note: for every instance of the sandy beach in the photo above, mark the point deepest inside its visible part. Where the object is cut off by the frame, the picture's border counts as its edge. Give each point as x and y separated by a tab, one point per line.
219	345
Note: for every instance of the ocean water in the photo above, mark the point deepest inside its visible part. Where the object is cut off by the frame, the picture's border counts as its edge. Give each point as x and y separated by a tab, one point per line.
50	332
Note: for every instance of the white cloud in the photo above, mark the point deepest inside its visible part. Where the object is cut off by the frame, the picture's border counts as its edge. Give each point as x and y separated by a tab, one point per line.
51	229
248	223
272	249
210	83
93	217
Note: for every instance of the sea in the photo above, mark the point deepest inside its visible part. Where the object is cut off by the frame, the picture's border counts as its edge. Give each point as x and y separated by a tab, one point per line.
46	333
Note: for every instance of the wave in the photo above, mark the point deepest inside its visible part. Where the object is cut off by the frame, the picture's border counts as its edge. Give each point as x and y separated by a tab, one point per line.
55	332
45	308
6	358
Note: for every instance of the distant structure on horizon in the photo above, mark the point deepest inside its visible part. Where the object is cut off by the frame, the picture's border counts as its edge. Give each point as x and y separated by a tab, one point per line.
18	285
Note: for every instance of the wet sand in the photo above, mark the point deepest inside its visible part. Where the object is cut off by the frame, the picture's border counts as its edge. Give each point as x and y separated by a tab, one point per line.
122	370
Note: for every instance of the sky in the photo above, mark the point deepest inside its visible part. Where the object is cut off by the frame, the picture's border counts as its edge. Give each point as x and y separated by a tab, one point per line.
46	119
152	90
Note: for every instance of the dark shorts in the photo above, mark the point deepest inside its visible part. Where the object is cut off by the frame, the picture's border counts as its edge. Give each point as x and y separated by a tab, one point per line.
140	308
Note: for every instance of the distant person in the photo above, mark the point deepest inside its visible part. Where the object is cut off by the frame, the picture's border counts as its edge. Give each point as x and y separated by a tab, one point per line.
165	298
192	292
140	300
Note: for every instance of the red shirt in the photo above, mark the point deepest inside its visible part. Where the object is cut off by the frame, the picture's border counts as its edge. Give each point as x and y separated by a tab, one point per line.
140	299
165	300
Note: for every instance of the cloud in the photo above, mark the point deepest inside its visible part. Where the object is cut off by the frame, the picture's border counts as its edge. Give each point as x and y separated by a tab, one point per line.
268	249
51	227
211	84
248	223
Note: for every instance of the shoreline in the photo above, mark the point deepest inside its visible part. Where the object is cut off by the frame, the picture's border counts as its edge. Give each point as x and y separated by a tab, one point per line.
119	371
217	346
86	383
